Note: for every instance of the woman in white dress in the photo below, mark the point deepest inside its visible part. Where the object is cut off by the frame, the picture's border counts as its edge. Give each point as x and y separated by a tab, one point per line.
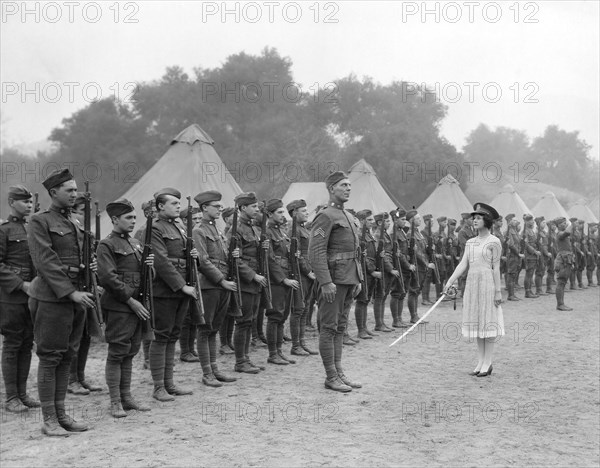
482	314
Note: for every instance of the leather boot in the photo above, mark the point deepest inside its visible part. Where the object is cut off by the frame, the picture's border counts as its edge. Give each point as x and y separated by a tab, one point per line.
394	310
131	404
560	298
297	349
10	370
303	344
220	376
280	339
14	405
113	380
337	385
29	401
347	340
23	366
50	426
274	357
210	380
530	295
127	401
161	394
170	386
538	286
349	382
66	421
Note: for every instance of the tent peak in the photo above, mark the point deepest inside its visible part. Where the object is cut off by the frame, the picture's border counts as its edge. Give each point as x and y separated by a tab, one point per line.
362	166
192	134
508	188
448	179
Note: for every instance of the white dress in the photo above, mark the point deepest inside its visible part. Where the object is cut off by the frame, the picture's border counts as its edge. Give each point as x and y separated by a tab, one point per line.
481	318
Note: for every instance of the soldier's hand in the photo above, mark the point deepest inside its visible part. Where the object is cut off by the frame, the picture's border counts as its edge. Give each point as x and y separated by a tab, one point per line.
150	260
396	273
382	254
85	299
297	254
438	255
236	253
312	276
538	253
190	291
138	308
25	287
431	266
93	266
265	244
376	274
412	267
328	290
229	285
261	280
521	255
194	253
356	290
291	283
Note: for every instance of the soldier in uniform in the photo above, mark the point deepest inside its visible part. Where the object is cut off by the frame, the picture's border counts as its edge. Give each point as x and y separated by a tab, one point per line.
426	288
16	273
451	252
563	262
171	294
439	242
369	250
592	253
216	288
398	289
497	231
596	242
382	286
251	281
542	242
333	254
119	265
78	384
298	209
550	281
532	254
574	240
283	289
228	324
57	306
465	233
513	255
581	252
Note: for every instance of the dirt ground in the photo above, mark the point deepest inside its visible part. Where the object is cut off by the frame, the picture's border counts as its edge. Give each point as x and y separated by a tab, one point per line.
418	405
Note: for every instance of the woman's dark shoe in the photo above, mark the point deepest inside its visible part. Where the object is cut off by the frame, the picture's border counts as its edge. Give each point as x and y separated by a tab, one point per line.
485	374
474	373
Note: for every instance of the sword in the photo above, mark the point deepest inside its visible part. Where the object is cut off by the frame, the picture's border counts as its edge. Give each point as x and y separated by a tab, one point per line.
450	293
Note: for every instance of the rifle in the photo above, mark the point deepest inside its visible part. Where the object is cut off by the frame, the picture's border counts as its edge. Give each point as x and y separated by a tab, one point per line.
97	226
294	261
146	293
36	202
90	283
191	271
450	250
395	259
233	274
431	255
363	261
412	252
263	261
379	261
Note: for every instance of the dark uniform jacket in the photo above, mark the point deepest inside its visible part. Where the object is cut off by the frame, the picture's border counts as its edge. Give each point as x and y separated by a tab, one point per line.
334	246
530	241
464	235
16	266
279	266
211	245
168	245
55	242
119	263
402	240
388	265
249	242
303	241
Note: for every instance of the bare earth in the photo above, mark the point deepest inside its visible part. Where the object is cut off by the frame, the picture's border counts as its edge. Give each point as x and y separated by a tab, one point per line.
418	405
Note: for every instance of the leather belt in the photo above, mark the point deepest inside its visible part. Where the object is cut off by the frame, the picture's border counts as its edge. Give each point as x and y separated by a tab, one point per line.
181	262
342	255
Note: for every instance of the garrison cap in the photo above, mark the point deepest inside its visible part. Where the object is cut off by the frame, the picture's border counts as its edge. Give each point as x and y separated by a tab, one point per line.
334	178
381	216
465	215
400	213
227	212
184	212
243	199
592	225
581	221
485	210
428	217
147	205
560	219
57	177
207	197
168	191
80	200
509	216
364	214
119	207
573	219
539	219
451	221
410	214
295	204
273	204
19	192
527	217
441	219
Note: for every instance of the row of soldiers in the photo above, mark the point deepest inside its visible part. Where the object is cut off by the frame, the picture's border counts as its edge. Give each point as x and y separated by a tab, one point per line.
256	268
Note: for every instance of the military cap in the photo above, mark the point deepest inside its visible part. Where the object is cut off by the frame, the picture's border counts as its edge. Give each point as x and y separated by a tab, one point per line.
168	191
441	219
244	199
19	192
452	221
427	217
410	214
147	205
319	208
364	214
57	177
334	178
273	204
351	211
539	219
119	207
485	210
508	217
207	197
294	204
591	225
183	214
381	216
227	212
551	222
560	219
581	221
573	219
527	217
80	200
465	215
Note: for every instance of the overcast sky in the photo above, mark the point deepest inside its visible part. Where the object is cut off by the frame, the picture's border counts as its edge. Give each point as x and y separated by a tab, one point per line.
543	55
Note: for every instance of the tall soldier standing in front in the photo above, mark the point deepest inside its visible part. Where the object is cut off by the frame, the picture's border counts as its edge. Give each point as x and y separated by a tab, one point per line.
119	273
16	273
297	209
216	288
333	253
171	294
57	306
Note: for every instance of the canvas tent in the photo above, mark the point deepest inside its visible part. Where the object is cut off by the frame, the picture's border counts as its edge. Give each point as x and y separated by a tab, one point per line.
508	201
191	165
549	207
580	211
447	199
594	207
314	193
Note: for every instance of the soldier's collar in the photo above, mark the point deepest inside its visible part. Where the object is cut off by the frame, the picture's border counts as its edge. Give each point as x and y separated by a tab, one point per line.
272	223
123	235
16	219
245	219
58	209
339	206
206	221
